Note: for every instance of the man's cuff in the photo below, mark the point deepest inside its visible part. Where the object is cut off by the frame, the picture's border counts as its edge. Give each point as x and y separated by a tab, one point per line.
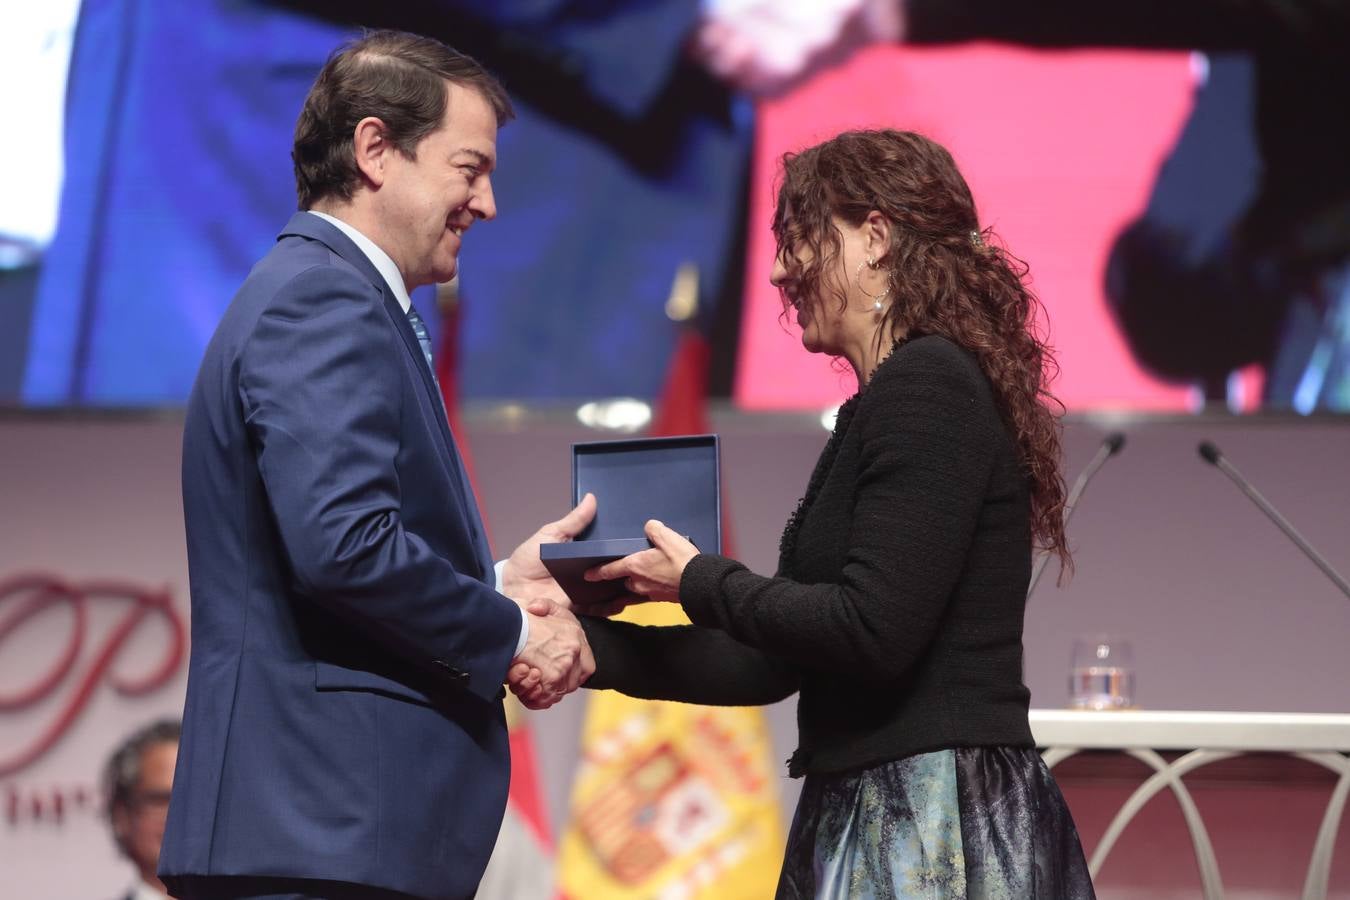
497	571
524	631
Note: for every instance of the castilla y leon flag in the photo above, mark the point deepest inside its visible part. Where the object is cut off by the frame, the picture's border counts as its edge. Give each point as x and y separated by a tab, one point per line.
521	866
673	801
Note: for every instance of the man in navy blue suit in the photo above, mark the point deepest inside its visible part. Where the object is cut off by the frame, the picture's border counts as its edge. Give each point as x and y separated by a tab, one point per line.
344	734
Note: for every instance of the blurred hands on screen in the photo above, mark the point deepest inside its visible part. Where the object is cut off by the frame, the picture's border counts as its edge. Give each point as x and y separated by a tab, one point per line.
766	47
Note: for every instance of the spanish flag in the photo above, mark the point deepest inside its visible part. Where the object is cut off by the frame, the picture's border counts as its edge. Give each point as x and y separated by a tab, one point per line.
673	801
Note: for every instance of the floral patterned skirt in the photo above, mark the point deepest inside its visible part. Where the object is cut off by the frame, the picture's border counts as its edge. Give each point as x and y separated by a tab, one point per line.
977	822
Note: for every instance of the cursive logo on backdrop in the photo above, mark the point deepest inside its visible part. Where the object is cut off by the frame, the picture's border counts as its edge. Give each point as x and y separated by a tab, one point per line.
27	596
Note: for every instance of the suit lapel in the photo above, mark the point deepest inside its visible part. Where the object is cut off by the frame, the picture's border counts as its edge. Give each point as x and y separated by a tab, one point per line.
457	473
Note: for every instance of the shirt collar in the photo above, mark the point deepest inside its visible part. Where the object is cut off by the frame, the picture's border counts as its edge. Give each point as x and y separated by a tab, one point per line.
378	258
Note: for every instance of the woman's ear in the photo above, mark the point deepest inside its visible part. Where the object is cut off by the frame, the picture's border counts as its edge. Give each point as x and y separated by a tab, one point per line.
877	235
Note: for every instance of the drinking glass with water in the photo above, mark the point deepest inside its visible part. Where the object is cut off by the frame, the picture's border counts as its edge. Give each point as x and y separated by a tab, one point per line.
1101	673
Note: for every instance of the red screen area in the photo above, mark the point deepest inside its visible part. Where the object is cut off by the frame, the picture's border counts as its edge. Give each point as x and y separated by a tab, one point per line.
1060	149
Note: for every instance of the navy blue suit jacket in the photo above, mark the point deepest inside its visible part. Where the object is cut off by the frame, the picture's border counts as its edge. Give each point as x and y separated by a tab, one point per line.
343	716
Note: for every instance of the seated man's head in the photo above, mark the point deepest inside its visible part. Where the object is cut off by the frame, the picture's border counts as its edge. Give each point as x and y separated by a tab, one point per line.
136	783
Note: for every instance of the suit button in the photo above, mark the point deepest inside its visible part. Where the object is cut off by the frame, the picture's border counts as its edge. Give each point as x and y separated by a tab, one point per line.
452	670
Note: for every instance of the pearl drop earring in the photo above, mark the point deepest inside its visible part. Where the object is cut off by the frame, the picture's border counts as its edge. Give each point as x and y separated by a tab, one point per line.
877	305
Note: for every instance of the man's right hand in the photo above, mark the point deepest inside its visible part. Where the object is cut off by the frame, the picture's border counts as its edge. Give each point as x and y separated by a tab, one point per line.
557	651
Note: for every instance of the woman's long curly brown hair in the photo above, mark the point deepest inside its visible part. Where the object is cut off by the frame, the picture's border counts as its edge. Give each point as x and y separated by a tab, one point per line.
947	277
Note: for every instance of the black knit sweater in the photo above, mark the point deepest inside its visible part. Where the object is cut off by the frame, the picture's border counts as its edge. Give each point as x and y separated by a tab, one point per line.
897	607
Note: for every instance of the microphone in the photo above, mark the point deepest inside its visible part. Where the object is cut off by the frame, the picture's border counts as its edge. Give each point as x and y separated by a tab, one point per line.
1109	448
1210	454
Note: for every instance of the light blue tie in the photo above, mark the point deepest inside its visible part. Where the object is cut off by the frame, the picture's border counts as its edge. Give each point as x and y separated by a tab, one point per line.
424	340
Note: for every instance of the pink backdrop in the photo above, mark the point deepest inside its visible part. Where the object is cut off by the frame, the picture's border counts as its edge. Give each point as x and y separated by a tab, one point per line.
1060	149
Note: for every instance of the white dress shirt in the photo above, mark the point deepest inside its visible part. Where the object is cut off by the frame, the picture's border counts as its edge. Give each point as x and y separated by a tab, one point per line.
388	270
144	890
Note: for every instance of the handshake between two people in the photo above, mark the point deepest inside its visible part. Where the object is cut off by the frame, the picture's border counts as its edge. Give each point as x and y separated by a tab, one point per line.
556	659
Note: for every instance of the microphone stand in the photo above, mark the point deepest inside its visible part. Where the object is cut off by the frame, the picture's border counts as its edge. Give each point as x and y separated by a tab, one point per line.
1109	448
1210	454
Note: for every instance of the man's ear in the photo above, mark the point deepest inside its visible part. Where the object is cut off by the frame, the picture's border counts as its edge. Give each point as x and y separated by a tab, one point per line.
121	826
877	235
370	143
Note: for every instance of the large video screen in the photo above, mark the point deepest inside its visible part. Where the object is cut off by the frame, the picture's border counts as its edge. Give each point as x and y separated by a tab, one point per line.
155	171
1183	215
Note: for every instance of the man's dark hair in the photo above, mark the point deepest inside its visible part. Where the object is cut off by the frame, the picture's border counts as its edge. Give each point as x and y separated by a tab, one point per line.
122	772
394	76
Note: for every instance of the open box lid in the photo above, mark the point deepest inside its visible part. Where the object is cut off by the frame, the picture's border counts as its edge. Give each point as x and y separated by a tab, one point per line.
674	479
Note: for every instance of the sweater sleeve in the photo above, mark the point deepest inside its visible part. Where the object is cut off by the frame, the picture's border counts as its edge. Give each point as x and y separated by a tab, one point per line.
684	663
926	458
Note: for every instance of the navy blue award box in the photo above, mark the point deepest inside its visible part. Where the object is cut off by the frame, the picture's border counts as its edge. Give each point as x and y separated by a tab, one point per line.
674	479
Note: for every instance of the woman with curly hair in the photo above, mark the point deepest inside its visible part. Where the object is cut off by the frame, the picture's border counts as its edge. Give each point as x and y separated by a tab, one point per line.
896	612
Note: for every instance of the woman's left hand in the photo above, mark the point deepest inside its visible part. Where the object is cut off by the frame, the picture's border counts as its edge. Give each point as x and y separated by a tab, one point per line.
655	573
